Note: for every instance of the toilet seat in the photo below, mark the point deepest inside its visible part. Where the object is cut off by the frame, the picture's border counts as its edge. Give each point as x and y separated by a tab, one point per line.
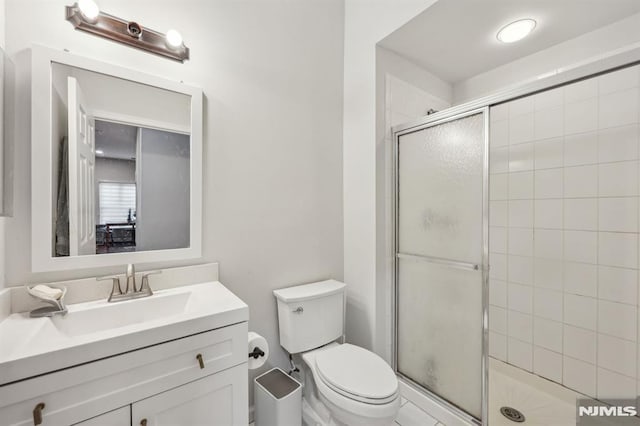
357	374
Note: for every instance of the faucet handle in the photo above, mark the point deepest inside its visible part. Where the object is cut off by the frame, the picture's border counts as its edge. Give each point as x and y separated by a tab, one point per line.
144	287
116	290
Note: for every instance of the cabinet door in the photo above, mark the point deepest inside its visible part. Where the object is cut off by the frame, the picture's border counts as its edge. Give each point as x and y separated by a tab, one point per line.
119	417
217	400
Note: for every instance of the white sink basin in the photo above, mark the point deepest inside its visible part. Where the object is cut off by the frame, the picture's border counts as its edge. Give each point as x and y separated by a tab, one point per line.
98	329
110	316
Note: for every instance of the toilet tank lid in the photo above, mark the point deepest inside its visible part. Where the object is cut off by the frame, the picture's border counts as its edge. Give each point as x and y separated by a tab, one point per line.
299	293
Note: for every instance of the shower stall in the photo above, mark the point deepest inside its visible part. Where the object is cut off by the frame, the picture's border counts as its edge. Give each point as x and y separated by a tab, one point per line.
556	215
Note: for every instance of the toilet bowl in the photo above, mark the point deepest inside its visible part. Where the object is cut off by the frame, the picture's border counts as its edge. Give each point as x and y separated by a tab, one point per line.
356	386
344	384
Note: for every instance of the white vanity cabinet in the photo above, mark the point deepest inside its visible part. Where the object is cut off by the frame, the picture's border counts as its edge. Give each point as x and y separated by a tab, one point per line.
200	379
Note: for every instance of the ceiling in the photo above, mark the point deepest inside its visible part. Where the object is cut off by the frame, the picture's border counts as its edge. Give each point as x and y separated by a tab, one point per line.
116	140
456	39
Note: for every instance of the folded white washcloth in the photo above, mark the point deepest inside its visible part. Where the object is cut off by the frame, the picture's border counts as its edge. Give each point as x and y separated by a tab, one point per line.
45	292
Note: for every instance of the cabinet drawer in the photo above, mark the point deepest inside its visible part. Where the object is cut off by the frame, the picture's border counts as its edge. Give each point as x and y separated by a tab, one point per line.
81	392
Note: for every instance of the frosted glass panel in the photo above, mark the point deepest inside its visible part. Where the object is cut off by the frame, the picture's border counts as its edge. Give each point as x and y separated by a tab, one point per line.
440	190
440	331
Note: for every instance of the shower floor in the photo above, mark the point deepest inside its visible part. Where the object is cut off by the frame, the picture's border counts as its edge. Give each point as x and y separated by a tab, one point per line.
542	402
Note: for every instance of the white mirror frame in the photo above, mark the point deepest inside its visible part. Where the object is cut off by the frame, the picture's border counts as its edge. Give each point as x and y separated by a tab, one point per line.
41	165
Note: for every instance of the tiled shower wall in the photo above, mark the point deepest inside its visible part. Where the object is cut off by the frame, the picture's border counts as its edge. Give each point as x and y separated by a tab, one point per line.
564	234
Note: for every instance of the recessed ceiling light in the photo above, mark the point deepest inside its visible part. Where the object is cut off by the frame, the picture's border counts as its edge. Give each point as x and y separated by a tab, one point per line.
99	151
516	30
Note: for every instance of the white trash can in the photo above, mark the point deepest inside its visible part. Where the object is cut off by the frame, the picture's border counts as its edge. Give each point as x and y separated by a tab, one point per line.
278	399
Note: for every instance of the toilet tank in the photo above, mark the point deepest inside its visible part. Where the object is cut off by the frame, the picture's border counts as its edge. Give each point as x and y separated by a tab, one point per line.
310	315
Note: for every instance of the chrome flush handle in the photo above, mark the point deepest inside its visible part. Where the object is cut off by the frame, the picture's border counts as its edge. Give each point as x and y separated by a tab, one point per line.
298	310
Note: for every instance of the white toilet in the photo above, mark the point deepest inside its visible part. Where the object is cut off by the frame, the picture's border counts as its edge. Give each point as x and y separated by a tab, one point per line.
343	384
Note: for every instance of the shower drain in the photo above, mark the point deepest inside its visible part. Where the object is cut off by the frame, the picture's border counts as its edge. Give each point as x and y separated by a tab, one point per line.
512	414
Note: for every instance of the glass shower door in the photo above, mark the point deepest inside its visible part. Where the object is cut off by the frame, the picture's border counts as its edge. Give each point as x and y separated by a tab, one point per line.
441	233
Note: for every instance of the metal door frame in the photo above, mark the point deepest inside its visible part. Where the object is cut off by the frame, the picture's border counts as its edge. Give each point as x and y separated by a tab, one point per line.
426	123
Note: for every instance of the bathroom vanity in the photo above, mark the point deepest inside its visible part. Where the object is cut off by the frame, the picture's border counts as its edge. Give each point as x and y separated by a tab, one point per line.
177	357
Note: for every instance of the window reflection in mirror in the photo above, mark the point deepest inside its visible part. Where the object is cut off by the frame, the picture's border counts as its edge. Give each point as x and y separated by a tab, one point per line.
121	167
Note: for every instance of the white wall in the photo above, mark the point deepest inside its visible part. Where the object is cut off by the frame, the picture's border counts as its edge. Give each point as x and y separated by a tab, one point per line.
2	219
583	49
564	234
271	71
366	23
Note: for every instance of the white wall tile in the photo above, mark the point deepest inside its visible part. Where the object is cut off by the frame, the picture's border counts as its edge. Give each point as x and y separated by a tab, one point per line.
618	108
581	149
617	249
521	106
579	343
581	246
498	213
521	186
547	364
498	186
548	214
520	354
521	214
548	243
548	273
548	304
548	153
613	385
547	334
549	99
520	270
548	183
521	241
520	326
499	134
498	320
618	319
549	123
499	112
579	375
521	157
617	284
581	90
581	214
580	311
625	78
498	293
581	116
499	160
618	214
497	239
618	179
617	355
521	128
520	298
581	182
618	143
498	346
498	266
581	279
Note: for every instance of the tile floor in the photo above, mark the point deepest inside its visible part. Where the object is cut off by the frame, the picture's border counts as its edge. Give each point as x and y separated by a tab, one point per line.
411	415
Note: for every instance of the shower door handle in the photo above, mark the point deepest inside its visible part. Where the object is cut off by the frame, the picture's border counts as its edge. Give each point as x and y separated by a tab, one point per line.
445	262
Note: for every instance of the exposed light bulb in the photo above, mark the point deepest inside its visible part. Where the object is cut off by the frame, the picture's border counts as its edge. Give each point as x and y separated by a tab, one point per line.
516	30
174	38
89	9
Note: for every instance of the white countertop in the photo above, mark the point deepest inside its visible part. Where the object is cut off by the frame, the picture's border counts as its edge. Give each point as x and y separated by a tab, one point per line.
97	329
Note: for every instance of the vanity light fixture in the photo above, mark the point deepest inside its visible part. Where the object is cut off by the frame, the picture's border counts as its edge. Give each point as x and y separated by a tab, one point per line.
85	15
516	30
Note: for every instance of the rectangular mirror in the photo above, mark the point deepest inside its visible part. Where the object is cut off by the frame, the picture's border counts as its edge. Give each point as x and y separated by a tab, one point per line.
116	159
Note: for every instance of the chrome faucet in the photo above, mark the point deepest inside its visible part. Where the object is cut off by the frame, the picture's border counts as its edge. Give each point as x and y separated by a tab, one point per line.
130	291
